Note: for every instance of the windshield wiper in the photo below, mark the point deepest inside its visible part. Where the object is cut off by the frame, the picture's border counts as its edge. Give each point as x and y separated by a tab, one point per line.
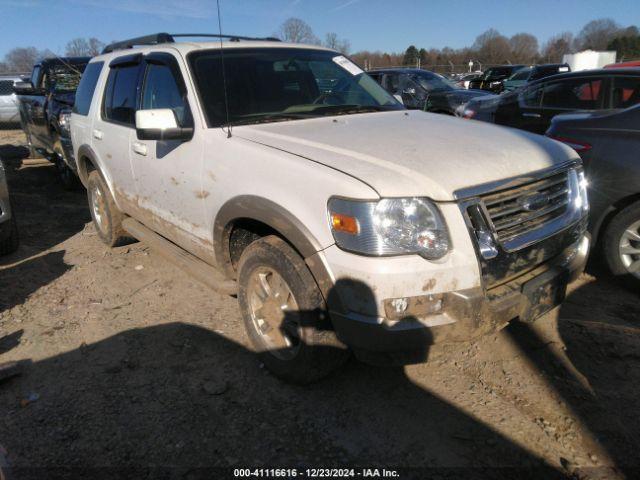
270	117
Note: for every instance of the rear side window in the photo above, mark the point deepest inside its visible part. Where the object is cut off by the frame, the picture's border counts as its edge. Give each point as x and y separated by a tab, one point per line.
87	87
120	95
573	94
532	96
6	88
625	92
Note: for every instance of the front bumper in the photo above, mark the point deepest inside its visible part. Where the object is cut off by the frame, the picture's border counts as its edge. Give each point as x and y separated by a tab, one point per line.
469	313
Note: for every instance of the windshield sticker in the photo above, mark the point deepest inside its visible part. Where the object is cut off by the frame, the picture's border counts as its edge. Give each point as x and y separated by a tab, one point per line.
348	65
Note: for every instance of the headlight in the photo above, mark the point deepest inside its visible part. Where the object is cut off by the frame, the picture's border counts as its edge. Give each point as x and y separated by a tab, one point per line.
391	226
578	186
64	121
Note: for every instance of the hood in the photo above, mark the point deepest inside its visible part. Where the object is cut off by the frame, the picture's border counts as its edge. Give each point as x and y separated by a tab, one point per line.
412	153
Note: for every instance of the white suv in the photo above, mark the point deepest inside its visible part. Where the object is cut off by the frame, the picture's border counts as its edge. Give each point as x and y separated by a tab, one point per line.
285	174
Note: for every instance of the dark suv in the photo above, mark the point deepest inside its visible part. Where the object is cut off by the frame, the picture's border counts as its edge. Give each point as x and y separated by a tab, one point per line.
424	90
493	78
533	106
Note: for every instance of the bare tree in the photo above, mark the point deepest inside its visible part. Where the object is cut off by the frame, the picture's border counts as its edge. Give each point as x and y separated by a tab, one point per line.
597	34
524	48
295	30
492	48
334	42
84	47
556	47
22	59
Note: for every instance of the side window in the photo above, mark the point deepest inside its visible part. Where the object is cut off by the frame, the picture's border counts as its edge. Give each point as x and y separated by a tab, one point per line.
120	95
86	88
161	91
390	83
531	96
574	94
625	91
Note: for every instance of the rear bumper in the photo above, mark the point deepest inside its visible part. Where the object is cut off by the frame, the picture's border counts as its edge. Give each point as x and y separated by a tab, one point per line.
467	314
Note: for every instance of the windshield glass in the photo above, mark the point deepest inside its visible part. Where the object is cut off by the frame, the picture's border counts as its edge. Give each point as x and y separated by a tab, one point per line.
274	84
521	74
432	82
66	77
497	72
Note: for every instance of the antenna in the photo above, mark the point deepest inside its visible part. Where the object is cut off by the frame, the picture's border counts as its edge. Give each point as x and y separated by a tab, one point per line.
224	73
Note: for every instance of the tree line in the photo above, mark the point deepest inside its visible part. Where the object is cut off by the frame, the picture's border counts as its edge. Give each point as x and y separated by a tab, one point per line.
489	48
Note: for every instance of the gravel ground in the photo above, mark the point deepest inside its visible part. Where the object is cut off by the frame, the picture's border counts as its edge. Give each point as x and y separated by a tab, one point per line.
133	369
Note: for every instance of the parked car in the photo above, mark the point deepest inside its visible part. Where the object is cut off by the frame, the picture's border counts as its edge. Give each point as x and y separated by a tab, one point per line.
493	78
424	90
608	143
631	64
532	107
45	108
9	114
465	80
8	227
530	74
337	216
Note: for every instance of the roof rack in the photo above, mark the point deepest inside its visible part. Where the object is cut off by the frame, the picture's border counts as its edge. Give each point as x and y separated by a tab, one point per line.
158	38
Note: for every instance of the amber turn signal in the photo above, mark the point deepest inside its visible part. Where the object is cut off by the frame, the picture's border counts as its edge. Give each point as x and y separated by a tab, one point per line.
344	223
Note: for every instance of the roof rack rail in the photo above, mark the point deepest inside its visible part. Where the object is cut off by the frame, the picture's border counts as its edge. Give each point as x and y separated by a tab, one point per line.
157	38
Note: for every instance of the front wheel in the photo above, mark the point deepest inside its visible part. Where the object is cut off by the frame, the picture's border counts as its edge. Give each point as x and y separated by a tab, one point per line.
621	244
284	313
68	178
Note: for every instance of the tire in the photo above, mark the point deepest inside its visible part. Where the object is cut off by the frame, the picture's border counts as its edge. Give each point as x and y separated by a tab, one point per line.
107	219
621	244
295	343
68	178
11	243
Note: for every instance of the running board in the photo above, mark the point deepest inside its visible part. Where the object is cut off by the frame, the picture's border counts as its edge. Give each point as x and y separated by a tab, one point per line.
195	267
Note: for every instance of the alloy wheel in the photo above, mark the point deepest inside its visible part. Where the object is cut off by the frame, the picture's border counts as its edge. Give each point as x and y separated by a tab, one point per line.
630	249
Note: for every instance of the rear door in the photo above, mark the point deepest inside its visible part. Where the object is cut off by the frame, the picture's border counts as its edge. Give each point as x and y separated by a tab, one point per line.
169	173
113	129
625	91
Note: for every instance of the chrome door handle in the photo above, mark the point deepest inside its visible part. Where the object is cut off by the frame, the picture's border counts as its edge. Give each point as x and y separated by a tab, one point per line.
531	115
139	148
97	134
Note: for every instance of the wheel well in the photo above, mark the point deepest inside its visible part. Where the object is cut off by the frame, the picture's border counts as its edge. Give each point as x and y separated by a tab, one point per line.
615	209
85	167
239	234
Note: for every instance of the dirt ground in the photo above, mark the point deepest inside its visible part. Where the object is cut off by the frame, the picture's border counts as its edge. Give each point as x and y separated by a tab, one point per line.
133	369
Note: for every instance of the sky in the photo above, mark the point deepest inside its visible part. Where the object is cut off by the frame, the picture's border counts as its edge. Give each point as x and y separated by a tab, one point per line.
387	25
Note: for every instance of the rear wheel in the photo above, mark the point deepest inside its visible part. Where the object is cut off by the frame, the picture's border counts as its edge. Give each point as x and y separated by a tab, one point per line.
107	219
284	313
621	244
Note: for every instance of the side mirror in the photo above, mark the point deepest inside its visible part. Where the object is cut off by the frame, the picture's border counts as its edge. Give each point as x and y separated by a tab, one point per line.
160	124
23	88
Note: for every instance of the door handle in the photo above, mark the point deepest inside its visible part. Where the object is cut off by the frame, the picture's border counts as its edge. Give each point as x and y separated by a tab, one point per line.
139	148
532	115
97	134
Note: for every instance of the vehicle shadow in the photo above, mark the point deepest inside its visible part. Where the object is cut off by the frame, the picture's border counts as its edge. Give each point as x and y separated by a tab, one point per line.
592	363
181	401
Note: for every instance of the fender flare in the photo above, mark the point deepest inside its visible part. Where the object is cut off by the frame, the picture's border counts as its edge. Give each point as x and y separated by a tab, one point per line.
85	151
252	207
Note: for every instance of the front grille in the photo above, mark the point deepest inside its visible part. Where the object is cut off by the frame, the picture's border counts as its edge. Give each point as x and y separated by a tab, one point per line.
518	211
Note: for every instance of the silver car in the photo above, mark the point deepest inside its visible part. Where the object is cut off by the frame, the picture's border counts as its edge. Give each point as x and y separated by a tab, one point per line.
8	226
9	113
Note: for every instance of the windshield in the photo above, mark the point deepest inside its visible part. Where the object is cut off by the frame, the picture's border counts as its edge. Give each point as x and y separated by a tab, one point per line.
65	77
275	84
497	72
521	74
432	82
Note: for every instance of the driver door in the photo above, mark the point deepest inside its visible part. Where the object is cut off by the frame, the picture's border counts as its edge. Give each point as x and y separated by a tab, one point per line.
168	172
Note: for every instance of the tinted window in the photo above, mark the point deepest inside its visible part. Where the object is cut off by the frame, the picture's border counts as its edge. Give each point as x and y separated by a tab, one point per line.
162	91
532	96
87	86
35	76
521	75
625	91
6	87
575	93
120	95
